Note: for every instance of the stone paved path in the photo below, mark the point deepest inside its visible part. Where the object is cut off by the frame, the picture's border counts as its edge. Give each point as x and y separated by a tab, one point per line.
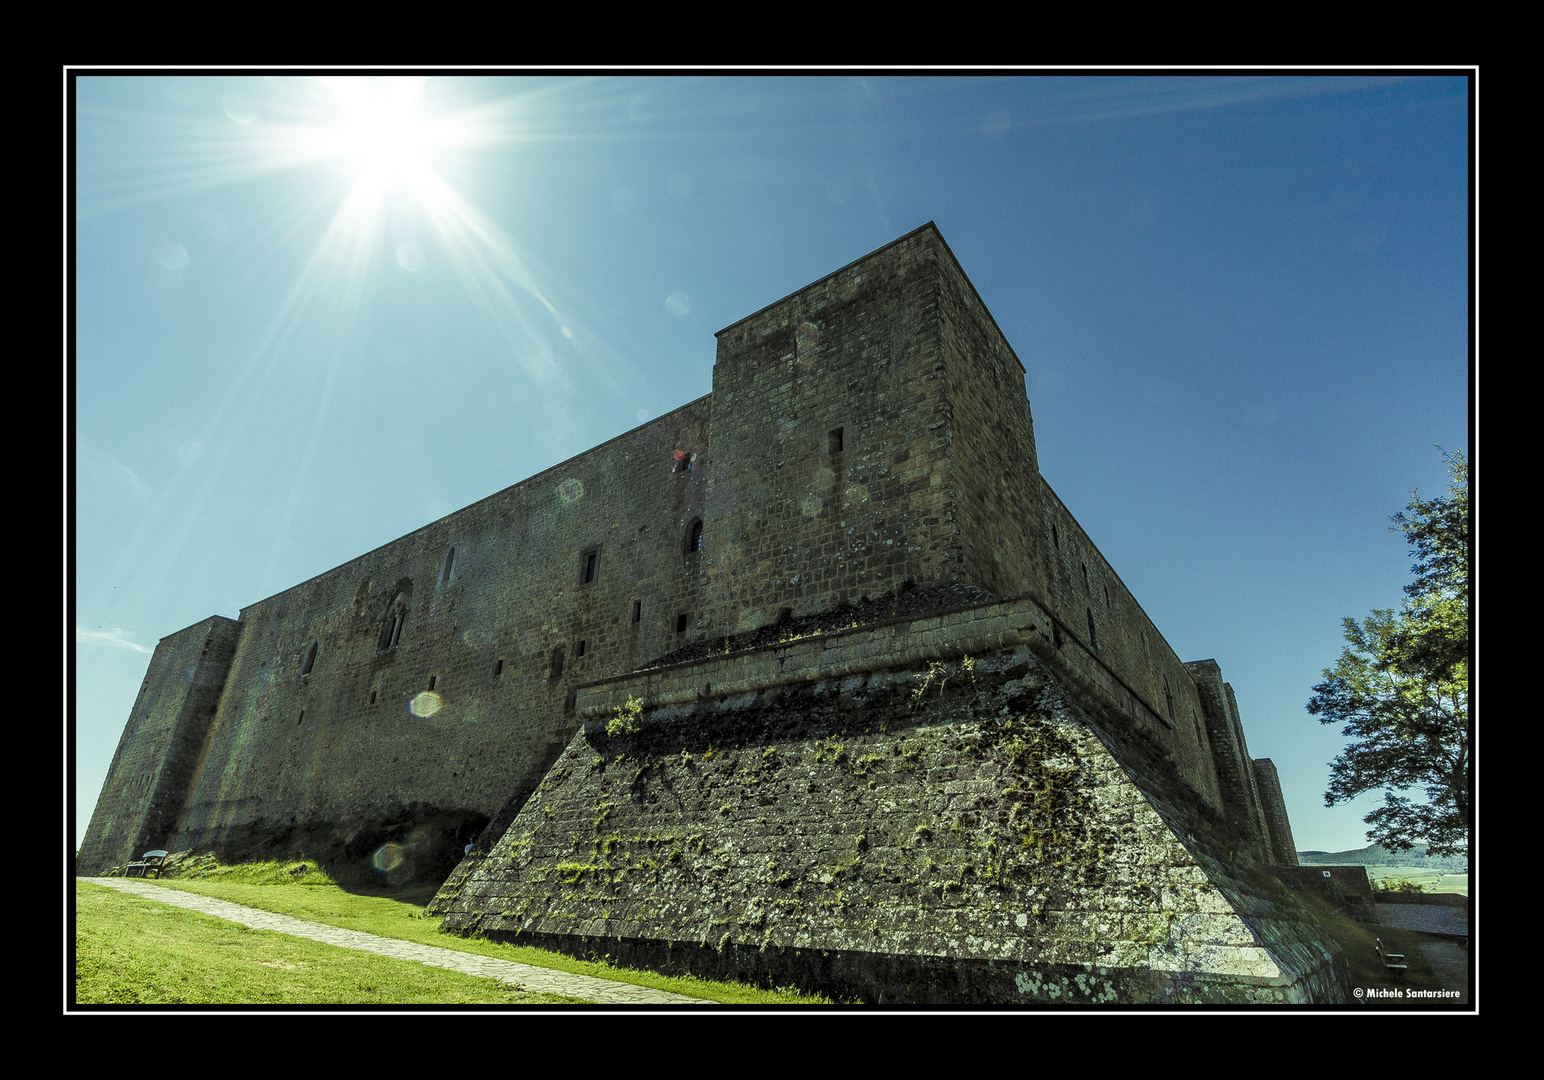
1428	918
543	980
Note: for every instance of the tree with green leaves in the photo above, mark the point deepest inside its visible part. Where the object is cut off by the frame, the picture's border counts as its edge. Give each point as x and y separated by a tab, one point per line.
1401	687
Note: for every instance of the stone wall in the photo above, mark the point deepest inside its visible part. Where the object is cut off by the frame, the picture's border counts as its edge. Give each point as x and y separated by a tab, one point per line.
949	831
161	745
1230	755
830	447
868	449
1283	849
333	735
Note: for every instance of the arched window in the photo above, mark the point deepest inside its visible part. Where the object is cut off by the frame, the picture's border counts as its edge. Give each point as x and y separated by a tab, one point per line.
694	537
391	627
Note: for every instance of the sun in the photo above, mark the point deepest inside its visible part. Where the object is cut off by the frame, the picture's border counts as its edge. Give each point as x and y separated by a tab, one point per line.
381	129
388	142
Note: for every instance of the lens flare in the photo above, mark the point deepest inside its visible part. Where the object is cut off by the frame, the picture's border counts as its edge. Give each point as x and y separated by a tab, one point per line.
387	857
571	491
171	255
425	704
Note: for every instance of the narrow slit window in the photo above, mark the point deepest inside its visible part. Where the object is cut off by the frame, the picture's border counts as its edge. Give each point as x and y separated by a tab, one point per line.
694	537
1093	635
834	441
589	566
432	680
583	646
556	671
498	668
309	662
391	626
637	611
450	562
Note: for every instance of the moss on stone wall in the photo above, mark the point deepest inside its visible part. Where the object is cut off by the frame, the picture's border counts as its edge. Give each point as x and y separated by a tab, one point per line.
955	817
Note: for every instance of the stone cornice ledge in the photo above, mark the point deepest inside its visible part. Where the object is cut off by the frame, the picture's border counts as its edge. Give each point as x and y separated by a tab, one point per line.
838	654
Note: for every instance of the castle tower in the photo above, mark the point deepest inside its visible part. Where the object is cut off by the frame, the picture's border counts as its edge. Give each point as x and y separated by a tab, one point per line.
160	749
870	432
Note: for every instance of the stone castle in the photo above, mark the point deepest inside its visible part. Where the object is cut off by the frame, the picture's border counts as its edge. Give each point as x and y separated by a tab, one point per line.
813	680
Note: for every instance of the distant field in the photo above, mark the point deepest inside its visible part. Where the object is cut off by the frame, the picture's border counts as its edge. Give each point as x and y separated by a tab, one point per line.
1448	874
1432	880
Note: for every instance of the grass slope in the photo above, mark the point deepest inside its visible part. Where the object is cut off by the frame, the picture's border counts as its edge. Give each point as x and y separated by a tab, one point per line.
400	914
130	951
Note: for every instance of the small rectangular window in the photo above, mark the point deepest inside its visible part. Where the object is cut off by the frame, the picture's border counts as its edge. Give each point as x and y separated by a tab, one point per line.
680	623
498	668
583	645
432	679
836	440
637	611
589	565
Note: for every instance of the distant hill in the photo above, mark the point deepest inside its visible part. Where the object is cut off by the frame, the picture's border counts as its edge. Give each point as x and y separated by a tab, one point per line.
1378	856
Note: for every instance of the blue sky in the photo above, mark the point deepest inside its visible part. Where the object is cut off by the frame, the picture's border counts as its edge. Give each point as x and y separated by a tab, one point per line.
313	316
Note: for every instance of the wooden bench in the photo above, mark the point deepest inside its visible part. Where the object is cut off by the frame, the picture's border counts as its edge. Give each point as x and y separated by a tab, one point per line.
150	860
1391	960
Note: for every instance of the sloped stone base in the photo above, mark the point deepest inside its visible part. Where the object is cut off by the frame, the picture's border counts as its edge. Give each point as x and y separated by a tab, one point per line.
957	833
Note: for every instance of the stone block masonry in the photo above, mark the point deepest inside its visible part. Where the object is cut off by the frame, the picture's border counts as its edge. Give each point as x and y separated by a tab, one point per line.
945	832
805	579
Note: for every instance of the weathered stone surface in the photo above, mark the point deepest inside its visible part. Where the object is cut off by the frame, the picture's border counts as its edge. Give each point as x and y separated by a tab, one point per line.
980	829
864	484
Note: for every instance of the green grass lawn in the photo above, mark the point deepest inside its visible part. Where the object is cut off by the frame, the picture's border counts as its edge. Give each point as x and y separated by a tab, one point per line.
130	951
394	914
